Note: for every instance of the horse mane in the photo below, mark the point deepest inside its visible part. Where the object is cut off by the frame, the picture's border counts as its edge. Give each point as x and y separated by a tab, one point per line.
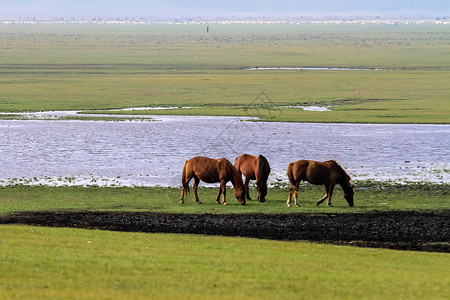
333	161
236	175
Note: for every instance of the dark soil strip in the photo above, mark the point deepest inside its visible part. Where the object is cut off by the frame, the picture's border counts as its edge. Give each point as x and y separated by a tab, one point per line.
423	231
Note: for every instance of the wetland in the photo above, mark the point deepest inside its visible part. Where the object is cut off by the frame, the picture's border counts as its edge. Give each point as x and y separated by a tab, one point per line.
152	152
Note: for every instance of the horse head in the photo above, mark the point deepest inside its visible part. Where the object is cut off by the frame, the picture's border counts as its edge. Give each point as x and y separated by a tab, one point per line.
348	193
240	194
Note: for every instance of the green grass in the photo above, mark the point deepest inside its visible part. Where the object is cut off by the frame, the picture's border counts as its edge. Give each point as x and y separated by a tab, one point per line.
367	198
67	263
57	263
76	67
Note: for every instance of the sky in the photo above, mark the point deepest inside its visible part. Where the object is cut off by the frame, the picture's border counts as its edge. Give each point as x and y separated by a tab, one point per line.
221	8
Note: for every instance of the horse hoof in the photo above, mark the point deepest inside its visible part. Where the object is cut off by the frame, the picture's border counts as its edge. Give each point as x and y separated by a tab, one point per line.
289	205
225	203
181	202
198	202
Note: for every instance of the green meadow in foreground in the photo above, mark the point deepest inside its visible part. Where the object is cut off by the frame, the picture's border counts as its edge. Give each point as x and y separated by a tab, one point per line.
367	198
68	263
63	263
79	67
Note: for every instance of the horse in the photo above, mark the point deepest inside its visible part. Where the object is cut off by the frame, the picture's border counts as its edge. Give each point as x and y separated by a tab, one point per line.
327	173
254	168
212	170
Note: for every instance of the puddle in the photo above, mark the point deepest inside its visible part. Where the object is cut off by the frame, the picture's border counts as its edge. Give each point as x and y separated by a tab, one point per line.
317	69
308	108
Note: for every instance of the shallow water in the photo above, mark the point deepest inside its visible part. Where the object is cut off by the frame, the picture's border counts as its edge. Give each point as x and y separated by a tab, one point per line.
153	153
315	69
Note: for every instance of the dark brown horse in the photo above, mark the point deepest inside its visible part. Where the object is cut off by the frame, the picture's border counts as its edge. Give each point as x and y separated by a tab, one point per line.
254	168
328	173
212	170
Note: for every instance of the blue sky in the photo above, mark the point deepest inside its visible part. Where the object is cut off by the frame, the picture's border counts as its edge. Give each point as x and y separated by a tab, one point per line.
222	8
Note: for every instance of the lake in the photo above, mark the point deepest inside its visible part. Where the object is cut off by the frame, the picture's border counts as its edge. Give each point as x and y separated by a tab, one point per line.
152	153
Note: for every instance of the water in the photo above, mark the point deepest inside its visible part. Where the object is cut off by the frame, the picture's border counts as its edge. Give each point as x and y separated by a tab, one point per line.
152	153
316	69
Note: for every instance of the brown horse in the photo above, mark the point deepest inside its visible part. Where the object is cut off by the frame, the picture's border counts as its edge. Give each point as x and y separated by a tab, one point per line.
212	170
327	173
254	168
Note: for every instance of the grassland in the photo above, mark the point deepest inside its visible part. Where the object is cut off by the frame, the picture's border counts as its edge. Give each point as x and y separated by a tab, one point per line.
78	67
75	67
68	263
51	263
367	198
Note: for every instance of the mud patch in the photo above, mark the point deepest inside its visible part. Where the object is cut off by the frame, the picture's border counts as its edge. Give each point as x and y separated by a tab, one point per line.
421	231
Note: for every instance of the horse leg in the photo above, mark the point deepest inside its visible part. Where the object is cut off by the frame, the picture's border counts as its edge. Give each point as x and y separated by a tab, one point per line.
320	201
223	186
293	192
183	191
196	183
182	195
218	196
247	193
330	193
296	197
288	202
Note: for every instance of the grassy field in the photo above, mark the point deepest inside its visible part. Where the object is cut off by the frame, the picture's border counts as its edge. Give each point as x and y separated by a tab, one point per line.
367	198
72	263
68	263
82	67
65	67
62	263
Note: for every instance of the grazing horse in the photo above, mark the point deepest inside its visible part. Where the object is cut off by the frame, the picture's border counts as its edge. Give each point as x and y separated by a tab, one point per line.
212	170
327	173
254	168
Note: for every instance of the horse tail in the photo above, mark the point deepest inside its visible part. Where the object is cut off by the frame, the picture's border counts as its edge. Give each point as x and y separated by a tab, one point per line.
183	179
290	173
237	164
263	175
263	168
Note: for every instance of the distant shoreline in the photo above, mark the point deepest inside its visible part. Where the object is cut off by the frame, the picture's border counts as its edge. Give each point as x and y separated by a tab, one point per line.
241	21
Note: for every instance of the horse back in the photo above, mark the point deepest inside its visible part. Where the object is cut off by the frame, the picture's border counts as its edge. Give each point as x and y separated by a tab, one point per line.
297	171
204	168
247	165
319	172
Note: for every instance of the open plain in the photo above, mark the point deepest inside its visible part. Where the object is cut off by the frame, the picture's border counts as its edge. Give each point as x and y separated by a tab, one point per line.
396	73
362	73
